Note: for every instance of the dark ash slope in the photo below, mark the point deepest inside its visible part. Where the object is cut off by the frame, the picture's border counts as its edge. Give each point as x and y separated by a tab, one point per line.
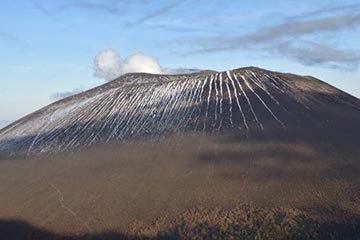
251	101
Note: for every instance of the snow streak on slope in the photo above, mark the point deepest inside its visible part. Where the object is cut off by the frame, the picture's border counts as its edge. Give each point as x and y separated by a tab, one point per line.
145	105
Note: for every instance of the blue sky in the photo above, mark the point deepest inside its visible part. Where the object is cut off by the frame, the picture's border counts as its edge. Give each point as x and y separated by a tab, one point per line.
48	47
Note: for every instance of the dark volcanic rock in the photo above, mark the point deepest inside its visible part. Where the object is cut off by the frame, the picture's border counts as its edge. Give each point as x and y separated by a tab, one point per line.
254	102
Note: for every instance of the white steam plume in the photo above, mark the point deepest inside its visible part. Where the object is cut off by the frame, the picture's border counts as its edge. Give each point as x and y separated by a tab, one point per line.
109	65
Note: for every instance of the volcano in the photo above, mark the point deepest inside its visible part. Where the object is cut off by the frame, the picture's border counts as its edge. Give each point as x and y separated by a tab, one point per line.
250	101
145	154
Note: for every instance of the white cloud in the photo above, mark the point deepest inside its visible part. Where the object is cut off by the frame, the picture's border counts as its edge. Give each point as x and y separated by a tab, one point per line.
109	65
60	95
141	63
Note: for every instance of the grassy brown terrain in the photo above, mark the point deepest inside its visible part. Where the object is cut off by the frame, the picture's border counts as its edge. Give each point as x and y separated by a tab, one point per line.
240	222
177	188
